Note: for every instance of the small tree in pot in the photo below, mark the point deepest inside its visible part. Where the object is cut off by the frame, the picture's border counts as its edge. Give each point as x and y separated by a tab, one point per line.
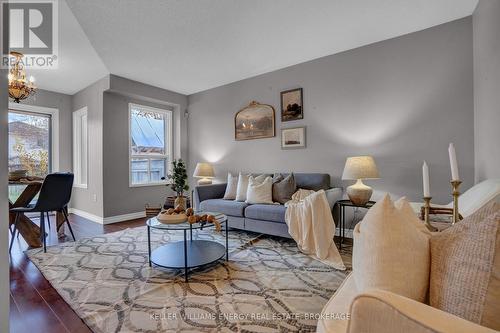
178	184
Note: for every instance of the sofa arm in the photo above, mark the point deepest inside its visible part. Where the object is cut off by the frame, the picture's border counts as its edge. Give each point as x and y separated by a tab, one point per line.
383	311
333	195
205	192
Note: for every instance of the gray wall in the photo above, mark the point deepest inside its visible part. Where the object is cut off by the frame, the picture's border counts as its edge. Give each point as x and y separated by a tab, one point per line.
61	102
107	193
401	100
486	27
4	207
119	198
91	199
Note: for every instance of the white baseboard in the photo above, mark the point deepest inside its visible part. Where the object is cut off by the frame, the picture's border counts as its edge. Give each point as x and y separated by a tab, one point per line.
124	217
109	219
87	215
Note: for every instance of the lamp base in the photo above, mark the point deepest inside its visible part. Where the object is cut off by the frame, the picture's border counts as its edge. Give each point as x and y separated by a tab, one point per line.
205	181
359	193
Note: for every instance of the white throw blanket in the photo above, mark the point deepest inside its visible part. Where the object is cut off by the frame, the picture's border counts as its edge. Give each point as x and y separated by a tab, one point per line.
311	225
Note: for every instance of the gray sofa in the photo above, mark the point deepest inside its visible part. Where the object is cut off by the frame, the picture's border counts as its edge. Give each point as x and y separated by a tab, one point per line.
266	219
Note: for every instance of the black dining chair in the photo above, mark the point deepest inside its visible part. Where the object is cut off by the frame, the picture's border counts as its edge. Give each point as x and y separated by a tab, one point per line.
54	196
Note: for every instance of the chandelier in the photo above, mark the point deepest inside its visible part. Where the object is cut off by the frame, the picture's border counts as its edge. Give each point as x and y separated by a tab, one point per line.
19	87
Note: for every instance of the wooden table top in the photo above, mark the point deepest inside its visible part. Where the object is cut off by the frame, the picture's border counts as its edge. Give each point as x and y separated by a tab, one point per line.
26	180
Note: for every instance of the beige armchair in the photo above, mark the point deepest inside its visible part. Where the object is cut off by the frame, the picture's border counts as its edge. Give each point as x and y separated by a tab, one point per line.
470	201
385	312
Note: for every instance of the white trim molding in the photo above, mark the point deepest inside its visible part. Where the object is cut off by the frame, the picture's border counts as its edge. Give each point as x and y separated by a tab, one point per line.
107	220
168	141
80	150
54	116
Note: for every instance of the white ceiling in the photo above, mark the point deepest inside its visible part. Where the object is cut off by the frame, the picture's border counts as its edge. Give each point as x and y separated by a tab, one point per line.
190	45
79	64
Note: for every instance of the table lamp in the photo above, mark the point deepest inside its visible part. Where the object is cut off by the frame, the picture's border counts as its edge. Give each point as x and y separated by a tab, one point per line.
205	171
359	168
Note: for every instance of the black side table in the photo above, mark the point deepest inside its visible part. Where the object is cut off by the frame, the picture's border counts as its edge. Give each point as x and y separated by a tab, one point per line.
342	205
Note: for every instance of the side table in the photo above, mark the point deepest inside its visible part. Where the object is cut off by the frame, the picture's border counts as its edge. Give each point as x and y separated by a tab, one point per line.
342	204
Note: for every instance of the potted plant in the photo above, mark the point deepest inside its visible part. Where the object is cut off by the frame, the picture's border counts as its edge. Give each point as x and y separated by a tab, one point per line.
178	182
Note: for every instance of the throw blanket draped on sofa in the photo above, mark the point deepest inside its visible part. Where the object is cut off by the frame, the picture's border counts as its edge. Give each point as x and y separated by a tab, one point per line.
311	225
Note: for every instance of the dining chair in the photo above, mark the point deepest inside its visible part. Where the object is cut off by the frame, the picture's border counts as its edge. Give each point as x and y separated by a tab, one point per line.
55	195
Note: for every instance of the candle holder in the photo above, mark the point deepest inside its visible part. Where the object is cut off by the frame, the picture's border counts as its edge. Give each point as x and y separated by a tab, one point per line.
427	208
456	215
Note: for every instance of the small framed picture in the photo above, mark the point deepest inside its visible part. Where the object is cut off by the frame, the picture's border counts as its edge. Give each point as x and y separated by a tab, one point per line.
293	138
292	106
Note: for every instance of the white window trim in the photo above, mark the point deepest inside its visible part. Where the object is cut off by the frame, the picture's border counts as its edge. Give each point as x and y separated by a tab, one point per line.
76	157
54	116
169	137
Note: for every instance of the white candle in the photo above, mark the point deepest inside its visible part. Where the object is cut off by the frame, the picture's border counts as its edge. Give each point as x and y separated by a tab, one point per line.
453	162
425	176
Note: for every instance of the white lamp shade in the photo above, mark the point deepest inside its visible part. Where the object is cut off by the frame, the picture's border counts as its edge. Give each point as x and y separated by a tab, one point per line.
360	167
204	170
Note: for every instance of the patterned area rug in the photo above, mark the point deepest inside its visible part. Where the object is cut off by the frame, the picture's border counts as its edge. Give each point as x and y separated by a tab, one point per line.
266	286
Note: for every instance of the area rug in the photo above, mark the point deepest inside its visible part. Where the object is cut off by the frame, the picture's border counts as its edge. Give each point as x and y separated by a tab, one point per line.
266	286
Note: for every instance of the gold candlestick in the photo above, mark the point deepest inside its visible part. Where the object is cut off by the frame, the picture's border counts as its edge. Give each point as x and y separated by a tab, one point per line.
456	215
427	208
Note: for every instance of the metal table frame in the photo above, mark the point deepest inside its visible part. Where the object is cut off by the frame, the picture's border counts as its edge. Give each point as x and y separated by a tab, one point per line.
186	267
342	204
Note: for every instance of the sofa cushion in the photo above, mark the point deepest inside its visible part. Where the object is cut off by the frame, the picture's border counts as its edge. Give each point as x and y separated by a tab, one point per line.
465	268
274	213
233	208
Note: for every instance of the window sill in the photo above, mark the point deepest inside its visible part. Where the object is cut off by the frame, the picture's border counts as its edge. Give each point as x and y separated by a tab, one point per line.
80	186
149	184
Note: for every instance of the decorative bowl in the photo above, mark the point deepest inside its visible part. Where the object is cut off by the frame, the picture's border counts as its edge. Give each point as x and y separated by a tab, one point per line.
171	219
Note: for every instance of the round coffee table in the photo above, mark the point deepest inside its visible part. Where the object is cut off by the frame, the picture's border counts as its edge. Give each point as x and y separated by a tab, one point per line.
188	253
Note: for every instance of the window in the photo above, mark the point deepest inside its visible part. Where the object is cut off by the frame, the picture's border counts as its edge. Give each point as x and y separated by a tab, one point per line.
150	144
29	145
80	148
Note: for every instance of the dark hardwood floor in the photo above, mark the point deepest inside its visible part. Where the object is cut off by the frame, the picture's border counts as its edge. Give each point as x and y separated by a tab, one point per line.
34	305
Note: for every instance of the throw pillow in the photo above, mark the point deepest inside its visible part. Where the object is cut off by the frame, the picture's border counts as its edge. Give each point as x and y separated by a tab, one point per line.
405	208
283	188
259	192
390	253
241	191
465	268
231	188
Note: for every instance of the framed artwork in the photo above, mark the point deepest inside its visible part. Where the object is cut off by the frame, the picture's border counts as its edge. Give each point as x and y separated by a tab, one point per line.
293	138
256	121
292	106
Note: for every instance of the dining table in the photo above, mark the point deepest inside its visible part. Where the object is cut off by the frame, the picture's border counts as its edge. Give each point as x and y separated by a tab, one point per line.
29	230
